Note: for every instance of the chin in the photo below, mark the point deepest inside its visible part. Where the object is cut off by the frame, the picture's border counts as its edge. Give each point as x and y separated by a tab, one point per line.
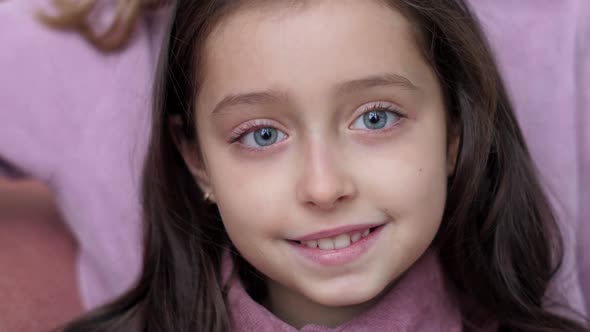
349	296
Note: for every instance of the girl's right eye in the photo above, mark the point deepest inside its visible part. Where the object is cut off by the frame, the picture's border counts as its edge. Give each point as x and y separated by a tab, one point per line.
262	137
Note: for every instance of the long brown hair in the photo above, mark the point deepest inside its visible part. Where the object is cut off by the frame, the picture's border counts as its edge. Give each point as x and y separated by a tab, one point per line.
499	241
75	15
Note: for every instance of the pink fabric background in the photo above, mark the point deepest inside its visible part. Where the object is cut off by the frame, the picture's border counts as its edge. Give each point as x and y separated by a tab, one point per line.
79	120
543	49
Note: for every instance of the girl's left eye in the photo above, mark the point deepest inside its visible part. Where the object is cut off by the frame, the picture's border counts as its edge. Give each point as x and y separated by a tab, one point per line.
262	137
376	119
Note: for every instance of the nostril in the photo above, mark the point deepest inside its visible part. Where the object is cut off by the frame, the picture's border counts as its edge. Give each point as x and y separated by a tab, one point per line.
324	193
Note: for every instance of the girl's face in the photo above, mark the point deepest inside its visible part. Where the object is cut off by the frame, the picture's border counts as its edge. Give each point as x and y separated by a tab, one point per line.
318	124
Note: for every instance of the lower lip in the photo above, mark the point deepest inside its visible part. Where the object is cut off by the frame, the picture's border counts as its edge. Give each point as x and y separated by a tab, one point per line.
339	256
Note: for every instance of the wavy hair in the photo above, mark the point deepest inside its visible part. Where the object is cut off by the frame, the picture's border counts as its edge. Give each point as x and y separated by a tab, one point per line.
75	15
499	242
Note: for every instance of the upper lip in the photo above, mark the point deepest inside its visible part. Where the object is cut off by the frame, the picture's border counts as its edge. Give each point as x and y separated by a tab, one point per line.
328	233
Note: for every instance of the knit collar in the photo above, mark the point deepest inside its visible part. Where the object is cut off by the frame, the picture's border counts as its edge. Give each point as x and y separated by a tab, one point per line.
420	301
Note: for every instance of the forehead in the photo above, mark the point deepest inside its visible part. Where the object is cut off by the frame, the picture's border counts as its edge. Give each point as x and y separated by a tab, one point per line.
312	45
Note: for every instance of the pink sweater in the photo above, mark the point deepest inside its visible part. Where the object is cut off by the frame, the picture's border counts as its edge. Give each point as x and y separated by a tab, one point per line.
79	120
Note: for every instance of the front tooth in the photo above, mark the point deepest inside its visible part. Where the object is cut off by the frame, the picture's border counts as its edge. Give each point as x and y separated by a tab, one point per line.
341	241
326	244
355	237
312	244
365	233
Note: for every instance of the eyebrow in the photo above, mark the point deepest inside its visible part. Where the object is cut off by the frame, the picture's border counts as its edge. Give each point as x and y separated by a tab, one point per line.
274	96
252	98
389	79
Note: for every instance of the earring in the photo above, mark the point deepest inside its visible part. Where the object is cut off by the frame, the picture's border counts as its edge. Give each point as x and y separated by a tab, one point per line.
206	196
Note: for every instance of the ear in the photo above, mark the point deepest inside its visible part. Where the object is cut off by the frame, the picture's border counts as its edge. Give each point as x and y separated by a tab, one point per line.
454	141
191	156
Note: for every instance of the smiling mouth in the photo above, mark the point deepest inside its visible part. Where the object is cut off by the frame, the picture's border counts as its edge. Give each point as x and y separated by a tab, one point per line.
340	241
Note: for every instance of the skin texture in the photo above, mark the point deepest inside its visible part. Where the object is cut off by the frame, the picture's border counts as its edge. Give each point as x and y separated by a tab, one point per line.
326	170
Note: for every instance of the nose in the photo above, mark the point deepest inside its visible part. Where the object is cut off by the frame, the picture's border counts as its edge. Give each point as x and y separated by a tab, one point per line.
325	180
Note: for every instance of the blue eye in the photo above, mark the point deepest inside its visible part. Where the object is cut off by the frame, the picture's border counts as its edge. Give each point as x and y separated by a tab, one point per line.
263	137
375	120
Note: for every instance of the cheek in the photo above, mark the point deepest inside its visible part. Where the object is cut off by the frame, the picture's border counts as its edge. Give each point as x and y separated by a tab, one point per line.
252	199
408	184
254	206
409	178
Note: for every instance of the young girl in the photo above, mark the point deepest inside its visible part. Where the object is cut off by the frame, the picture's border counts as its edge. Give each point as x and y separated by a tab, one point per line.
337	165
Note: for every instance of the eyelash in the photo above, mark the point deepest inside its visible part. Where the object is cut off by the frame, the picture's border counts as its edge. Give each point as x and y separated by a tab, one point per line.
380	106
247	127
239	132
